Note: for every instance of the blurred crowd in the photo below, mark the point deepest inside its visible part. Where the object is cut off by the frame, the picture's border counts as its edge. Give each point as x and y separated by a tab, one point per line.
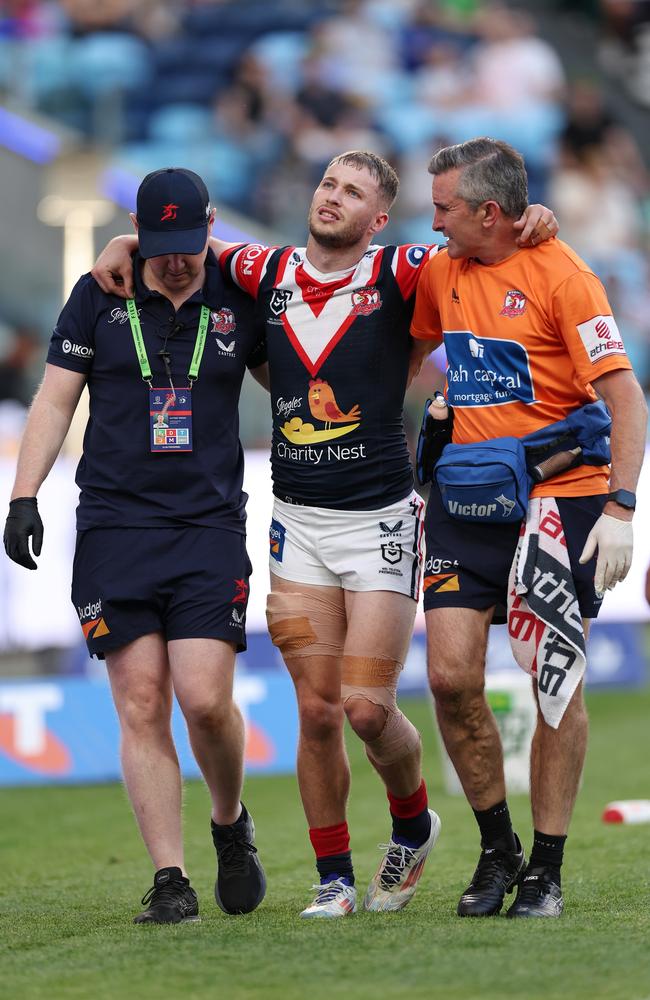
258	96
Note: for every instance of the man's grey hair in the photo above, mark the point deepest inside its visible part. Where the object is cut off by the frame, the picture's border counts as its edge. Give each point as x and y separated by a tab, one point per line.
491	170
377	167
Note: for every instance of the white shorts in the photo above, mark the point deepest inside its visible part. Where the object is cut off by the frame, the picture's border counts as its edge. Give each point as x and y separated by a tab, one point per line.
353	549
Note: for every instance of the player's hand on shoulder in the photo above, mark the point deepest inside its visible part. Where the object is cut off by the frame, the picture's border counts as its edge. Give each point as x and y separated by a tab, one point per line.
113	269
537	224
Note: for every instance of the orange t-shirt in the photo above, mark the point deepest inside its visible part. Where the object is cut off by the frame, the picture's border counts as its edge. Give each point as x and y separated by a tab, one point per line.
524	338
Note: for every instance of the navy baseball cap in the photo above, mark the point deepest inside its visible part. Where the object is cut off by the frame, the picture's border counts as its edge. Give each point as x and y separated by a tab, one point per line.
173	209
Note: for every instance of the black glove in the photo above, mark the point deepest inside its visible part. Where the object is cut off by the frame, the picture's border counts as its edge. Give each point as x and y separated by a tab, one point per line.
22	521
434	435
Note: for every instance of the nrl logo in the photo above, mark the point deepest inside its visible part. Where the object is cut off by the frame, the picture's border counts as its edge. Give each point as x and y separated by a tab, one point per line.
280	300
391	553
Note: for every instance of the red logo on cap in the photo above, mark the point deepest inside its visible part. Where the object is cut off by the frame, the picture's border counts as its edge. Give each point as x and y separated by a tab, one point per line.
169	212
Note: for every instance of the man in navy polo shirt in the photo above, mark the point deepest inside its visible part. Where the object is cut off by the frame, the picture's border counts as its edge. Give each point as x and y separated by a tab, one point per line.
160	576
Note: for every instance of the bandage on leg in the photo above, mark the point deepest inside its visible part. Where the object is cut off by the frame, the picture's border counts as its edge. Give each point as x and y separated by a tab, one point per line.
306	623
375	680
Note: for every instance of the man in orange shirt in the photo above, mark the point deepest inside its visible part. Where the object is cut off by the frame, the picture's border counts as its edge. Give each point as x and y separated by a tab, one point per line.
530	338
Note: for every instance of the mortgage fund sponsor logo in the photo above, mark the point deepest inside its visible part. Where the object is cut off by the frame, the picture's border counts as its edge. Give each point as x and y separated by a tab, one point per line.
486	372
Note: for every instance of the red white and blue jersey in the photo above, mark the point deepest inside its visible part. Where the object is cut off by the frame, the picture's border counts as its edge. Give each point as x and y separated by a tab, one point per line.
338	351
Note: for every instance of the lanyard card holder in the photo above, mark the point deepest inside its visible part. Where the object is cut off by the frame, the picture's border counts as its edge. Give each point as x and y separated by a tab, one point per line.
170	414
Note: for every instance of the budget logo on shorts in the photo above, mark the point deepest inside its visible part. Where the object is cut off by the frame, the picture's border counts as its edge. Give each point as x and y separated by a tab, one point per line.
91	620
514	304
277	532
365	301
392	553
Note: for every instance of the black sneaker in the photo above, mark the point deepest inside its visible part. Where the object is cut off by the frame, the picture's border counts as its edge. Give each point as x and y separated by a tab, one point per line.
496	874
241	883
539	895
171	900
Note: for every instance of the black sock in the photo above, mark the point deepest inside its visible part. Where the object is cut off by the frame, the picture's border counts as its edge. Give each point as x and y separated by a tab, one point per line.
547	852
412	831
496	827
336	864
243	816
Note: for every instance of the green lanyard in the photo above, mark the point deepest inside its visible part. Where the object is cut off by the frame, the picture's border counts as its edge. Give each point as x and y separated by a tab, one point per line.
141	351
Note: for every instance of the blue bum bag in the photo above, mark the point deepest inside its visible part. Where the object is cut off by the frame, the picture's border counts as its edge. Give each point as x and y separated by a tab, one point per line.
486	482
490	481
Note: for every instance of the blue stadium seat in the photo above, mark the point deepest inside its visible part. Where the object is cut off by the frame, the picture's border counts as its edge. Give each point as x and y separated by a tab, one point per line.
282	53
181	123
107	62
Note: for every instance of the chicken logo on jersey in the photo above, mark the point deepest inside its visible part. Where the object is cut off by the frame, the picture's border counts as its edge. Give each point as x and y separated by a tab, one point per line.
323	406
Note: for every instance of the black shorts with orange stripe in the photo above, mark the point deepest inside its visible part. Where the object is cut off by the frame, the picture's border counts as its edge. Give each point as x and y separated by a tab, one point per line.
468	564
188	582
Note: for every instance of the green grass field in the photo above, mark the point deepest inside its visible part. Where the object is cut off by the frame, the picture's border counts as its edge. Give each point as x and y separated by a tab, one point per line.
73	871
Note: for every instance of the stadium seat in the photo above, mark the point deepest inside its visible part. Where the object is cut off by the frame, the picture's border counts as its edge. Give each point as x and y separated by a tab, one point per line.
181	123
282	54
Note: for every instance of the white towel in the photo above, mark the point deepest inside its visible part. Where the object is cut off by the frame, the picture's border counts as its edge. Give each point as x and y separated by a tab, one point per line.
544	621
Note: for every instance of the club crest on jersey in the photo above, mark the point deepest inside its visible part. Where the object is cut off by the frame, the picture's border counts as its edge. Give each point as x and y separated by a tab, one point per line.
223	321
280	300
514	304
365	301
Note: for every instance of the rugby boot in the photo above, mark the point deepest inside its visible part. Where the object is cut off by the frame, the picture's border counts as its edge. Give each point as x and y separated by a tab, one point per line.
539	895
241	882
496	874
171	900
334	898
396	879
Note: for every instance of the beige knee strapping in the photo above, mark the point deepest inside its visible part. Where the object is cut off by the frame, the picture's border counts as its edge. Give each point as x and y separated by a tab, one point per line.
398	739
306	624
376	680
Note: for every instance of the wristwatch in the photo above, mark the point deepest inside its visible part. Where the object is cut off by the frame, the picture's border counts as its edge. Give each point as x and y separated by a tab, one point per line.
624	498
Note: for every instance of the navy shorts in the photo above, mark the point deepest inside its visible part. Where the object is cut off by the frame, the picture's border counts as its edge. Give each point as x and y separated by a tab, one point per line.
468	564
189	582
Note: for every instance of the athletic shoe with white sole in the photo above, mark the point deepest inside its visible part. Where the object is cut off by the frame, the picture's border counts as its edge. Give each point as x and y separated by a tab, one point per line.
539	895
333	899
396	879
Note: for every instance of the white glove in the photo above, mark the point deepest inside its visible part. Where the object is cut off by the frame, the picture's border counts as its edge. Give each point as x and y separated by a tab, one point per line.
613	539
